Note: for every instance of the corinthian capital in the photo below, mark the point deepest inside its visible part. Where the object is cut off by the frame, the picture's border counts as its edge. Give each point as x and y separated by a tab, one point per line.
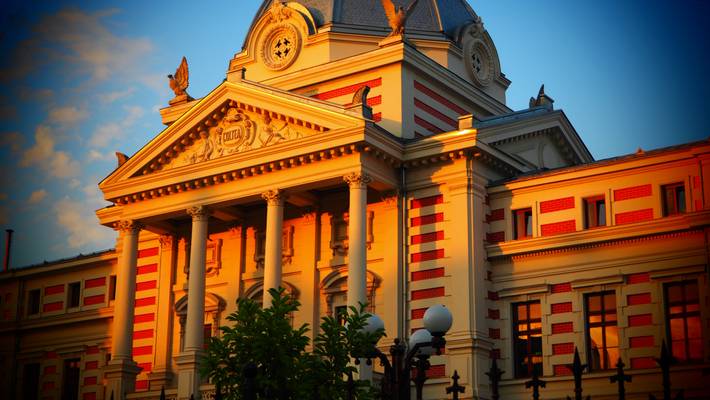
129	226
198	213
274	197
357	180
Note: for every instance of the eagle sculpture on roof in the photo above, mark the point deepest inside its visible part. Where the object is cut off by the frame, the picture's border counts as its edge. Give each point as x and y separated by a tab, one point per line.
397	16
180	81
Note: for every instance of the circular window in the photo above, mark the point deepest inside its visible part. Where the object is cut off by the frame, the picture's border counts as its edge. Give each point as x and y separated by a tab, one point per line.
281	46
480	63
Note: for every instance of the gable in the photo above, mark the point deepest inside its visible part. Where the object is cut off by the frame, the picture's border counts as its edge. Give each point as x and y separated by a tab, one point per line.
235	120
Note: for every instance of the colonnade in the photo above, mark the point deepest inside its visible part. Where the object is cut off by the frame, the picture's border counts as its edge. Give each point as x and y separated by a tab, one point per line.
121	370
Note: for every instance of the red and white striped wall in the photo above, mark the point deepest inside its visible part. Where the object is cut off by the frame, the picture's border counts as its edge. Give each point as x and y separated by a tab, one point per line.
145	312
434	111
344	95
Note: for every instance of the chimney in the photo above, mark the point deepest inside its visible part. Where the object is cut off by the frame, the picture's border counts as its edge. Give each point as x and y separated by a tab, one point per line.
8	243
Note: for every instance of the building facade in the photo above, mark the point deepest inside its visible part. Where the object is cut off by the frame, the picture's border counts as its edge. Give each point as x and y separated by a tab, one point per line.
350	165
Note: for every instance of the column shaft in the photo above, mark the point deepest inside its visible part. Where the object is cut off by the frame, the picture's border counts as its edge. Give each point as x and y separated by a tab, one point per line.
194	329
357	238
125	293
274	237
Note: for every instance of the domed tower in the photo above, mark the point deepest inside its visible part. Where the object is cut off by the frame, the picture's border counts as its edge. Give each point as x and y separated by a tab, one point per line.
443	66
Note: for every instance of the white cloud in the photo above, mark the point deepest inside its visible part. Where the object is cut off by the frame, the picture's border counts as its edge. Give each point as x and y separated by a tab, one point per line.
110	97
67	116
104	134
133	114
37	196
74	183
79	221
43	155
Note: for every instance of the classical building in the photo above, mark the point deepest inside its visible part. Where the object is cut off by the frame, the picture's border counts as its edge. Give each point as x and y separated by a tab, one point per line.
348	164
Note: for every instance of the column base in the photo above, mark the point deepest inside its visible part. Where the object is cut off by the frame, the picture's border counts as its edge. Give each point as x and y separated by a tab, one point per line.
158	379
120	378
188	364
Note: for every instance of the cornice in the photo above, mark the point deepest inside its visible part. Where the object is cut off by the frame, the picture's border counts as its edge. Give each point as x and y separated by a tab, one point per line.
669	227
79	262
57	320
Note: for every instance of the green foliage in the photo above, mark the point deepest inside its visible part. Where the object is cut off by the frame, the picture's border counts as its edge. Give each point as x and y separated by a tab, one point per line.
285	370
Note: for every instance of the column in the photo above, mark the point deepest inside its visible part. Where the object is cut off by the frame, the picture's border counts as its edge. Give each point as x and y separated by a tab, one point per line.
357	238
121	371
188	360
274	237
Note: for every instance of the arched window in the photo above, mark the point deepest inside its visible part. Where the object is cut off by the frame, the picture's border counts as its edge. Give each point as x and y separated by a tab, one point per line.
334	291
214	305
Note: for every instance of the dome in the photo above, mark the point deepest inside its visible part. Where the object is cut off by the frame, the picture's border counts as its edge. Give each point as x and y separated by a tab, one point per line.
430	17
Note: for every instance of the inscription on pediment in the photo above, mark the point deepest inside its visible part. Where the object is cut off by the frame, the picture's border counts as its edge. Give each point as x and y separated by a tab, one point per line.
235	128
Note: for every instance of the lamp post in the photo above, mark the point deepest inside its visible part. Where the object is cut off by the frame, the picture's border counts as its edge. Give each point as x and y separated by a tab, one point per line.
422	344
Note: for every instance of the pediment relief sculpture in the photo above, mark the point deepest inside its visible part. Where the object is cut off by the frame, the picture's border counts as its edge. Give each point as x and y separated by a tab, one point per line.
234	128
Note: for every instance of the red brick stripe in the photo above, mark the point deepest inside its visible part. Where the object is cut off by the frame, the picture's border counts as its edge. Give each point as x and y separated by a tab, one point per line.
427	219
55	306
142	350
427	293
640	320
142	384
92	350
556	205
493	314
147	367
90	380
96	282
153	251
563	348
557	228
496	215
495	237
91	365
418	313
140	286
377	117
435	113
427	274
51	369
435	96
89	396
494	333
641	341
426	201
427	237
91	300
492	295
630	217
147	269
56	289
638	278
51	355
632	192
427	255
427	125
144	334
143	318
436	371
561	288
562	327
562	369
559	308
636	299
145	301
47	386
331	94
643	362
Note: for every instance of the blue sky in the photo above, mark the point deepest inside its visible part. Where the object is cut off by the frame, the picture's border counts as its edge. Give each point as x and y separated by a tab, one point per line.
80	80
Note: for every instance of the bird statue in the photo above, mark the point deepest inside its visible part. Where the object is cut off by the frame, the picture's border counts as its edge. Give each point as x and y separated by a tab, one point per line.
397	16
180	81
122	158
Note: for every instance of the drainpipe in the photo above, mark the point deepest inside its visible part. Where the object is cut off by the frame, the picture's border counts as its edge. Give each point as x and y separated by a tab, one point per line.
8	243
405	267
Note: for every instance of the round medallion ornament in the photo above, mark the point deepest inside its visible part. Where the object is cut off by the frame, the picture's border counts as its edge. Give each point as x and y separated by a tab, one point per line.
479	63
281	46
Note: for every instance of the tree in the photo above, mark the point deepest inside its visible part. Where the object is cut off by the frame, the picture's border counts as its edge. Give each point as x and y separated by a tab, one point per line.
264	340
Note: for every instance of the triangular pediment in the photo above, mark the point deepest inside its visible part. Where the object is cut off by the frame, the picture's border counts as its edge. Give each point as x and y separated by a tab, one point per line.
236	119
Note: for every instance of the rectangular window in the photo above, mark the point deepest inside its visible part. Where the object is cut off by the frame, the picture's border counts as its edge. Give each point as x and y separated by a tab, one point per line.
74	295
341	313
673	199
594	212
33	302
522	223
602	332
527	338
70	379
30	381
112	288
683	319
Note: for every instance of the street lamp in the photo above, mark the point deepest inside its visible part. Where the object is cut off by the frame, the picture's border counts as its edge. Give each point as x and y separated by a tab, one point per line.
422	344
